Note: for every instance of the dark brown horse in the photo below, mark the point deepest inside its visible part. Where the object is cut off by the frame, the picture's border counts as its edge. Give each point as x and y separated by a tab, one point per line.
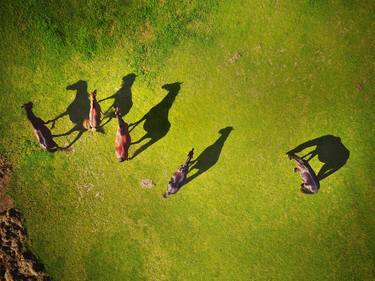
310	183
123	139
178	178
42	133
329	150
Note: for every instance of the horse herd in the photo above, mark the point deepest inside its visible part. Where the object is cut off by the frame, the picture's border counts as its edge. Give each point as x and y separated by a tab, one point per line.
310	181
122	139
45	137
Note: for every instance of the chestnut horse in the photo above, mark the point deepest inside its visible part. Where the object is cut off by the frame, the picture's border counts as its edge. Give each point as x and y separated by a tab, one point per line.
95	112
123	139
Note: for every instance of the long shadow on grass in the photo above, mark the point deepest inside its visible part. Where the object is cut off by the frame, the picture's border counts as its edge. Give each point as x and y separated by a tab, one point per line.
78	111
209	156
122	99
156	123
330	151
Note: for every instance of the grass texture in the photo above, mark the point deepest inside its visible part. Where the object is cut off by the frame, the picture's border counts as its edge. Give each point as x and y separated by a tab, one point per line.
279	72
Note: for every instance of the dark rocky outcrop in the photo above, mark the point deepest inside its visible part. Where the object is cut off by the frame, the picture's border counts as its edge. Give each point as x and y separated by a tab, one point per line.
16	261
5	172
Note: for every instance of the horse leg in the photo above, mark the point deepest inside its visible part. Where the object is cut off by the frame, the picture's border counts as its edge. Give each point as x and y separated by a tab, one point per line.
143	147
140	140
312	154
66	133
133	125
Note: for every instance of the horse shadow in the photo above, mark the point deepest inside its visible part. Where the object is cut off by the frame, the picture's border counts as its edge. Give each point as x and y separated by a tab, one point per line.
330	151
156	123
122	99
77	110
209	157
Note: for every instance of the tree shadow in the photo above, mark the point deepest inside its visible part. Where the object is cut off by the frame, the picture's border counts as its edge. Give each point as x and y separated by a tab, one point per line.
78	111
42	132
209	156
330	151
156	123
122	99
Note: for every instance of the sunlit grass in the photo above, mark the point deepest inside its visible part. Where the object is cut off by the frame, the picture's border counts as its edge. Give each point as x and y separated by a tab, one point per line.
279	73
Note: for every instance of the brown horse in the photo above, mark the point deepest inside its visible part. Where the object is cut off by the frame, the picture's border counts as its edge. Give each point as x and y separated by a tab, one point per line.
310	183
42	133
178	178
95	112
123	139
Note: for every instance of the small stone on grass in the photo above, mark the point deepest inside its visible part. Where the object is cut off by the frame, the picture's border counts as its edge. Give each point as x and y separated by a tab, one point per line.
147	183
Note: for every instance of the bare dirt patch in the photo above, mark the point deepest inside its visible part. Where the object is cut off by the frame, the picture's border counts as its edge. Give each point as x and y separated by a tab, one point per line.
5	171
146	183
234	57
147	33
16	261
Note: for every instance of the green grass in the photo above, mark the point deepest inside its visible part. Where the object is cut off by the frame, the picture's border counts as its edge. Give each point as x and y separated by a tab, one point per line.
296	79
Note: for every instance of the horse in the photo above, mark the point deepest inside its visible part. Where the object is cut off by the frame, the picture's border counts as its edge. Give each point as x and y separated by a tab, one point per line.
178	178
123	139
95	112
42	133
310	183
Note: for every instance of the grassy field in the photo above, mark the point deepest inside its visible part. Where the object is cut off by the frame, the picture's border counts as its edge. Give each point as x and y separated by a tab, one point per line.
279	72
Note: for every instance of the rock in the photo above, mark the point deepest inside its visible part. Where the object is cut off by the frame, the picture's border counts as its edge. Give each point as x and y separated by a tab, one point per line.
235	57
147	183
